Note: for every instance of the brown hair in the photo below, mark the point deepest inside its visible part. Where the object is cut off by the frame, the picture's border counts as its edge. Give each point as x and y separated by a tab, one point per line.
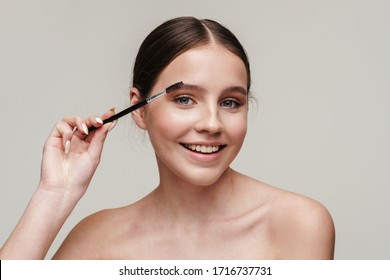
174	37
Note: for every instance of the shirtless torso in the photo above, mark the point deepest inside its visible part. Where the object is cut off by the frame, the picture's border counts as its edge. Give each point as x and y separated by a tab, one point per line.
268	223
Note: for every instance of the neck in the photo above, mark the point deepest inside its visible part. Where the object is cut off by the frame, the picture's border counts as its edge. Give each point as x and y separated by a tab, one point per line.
183	201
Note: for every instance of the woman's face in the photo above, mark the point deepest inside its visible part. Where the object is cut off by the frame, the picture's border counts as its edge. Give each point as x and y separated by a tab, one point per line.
198	129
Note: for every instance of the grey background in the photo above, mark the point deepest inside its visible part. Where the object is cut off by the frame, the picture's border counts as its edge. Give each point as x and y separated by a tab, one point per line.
320	76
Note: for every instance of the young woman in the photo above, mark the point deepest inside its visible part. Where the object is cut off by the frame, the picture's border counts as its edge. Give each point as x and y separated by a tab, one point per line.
201	208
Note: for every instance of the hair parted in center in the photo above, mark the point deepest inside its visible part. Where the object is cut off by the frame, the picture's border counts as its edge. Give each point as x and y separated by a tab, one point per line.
174	37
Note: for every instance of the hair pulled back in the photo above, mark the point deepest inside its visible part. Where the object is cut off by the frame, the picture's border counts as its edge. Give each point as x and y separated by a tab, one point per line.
174	37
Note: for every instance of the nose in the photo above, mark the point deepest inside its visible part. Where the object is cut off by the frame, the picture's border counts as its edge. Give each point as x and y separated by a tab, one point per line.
209	121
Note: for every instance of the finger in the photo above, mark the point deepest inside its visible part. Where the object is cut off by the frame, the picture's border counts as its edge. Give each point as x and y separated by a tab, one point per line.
97	122
82	127
69	127
110	112
64	132
83	124
99	136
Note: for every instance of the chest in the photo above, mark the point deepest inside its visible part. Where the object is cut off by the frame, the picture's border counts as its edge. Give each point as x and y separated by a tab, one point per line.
216	242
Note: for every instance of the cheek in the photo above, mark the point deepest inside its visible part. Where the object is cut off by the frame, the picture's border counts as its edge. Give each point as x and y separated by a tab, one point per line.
170	123
167	124
236	127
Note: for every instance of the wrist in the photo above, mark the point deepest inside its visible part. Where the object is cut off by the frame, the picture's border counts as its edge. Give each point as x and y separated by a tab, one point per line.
58	193
43	218
56	196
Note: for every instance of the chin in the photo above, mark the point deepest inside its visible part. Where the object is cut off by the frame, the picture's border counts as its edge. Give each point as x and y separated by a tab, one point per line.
204	179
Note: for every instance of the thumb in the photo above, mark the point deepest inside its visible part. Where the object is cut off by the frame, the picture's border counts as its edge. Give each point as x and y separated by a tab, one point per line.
99	136
112	125
97	142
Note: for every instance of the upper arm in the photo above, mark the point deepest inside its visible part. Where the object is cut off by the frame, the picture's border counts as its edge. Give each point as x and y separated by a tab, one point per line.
74	245
84	241
308	232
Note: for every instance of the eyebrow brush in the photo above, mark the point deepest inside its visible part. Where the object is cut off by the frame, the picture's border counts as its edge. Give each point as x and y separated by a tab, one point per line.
139	104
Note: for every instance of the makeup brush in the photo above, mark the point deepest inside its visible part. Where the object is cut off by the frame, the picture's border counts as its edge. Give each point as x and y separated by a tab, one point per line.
139	104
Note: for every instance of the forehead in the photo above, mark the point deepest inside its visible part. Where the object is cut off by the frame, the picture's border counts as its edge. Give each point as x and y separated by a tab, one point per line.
210	65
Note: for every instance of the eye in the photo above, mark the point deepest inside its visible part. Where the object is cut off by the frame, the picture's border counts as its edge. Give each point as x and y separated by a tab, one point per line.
184	100
230	103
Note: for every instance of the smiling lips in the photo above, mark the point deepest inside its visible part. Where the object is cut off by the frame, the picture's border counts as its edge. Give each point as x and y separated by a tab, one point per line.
203	148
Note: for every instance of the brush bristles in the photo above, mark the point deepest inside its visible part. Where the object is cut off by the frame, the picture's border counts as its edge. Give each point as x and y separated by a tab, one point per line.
173	87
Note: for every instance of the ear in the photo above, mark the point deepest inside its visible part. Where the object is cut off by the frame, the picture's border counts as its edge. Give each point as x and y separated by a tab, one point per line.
139	114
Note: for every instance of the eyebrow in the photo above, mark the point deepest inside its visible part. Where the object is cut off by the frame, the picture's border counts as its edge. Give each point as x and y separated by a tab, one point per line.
191	87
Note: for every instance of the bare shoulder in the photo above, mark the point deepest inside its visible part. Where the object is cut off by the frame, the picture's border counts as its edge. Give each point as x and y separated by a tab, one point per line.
91	237
305	228
301	227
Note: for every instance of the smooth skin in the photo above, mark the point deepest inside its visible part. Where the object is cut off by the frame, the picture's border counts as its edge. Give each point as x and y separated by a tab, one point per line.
70	158
202	208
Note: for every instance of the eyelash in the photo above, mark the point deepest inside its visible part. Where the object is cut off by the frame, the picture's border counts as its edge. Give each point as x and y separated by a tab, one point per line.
179	98
235	102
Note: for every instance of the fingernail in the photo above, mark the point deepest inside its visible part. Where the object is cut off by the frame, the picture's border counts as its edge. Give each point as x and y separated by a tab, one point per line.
67	147
85	128
112	125
98	120
112	109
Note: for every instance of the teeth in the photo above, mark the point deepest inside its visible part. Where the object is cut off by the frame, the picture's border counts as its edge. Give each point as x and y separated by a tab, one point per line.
202	149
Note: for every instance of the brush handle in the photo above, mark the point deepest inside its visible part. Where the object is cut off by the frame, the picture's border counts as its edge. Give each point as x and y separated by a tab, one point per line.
139	104
122	113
